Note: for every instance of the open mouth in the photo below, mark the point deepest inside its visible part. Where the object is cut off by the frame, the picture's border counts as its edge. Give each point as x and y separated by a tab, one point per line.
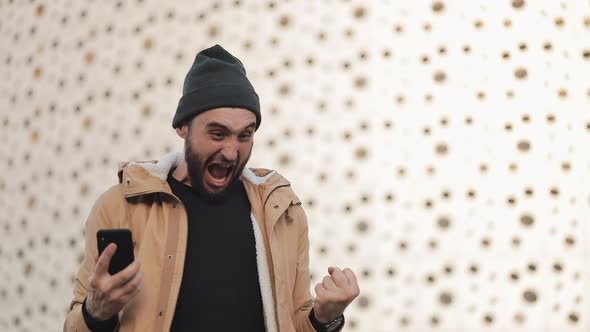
219	175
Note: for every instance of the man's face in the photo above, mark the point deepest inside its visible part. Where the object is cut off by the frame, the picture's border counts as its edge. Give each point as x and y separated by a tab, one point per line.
217	148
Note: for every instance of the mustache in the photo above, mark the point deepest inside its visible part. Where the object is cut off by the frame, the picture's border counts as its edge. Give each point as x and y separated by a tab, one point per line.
221	163
219	159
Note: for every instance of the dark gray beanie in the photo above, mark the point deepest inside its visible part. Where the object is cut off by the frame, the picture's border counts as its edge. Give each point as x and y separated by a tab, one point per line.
216	79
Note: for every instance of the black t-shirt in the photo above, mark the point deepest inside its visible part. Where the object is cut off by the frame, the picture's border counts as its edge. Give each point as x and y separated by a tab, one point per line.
220	290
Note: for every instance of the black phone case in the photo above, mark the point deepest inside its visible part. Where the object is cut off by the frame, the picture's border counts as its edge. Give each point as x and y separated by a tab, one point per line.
124	254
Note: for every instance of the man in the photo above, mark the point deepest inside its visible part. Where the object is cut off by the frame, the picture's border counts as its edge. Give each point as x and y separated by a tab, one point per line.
222	247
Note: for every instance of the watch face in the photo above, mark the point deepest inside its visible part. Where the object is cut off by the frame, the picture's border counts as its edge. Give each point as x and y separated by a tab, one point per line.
334	325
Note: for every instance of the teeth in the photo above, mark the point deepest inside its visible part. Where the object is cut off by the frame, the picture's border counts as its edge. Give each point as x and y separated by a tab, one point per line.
221	165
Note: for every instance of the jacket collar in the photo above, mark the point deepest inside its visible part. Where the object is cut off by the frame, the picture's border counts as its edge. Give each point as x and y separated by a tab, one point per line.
145	177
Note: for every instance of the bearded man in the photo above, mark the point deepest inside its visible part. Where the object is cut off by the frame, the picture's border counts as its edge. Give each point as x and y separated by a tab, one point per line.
222	247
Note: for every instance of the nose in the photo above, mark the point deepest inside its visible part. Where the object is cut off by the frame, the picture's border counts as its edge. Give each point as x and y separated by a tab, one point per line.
229	152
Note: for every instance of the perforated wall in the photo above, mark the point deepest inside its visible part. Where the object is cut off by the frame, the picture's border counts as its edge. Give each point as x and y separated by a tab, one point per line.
440	147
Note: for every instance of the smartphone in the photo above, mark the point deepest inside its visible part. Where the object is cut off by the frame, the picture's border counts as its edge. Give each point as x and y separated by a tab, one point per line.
124	254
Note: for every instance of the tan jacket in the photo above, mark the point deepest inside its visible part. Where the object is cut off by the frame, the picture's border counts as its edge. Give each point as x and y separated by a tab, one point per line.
144	203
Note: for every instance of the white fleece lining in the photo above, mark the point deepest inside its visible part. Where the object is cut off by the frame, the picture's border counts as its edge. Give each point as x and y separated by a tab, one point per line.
163	166
264	280
255	179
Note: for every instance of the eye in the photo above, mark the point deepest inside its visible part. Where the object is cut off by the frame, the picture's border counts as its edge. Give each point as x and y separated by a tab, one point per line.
217	135
245	136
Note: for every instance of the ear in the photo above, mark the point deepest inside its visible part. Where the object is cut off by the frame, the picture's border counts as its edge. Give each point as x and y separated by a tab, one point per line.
182	131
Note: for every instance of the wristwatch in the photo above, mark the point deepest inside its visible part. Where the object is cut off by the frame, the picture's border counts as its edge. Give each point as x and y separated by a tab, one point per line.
332	326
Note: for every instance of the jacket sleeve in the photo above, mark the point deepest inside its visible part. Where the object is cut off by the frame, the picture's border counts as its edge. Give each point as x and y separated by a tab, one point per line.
97	219
302	298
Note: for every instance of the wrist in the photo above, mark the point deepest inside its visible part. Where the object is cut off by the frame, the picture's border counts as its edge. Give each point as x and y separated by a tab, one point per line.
322	324
90	310
97	324
322	319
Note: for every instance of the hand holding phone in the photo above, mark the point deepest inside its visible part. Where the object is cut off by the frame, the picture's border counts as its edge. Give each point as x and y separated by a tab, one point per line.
114	280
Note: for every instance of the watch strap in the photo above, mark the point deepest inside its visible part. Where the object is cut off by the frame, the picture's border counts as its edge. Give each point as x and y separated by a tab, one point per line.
333	326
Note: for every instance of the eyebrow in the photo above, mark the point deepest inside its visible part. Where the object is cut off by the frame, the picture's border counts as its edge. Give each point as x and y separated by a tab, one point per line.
218	125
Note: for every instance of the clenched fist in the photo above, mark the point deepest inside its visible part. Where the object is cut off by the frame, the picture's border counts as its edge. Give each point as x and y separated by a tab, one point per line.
334	294
108	294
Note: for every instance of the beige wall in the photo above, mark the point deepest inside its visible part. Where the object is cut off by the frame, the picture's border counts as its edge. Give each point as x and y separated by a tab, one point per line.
442	147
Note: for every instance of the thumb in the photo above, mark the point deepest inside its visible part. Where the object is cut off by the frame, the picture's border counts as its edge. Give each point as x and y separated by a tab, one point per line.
102	264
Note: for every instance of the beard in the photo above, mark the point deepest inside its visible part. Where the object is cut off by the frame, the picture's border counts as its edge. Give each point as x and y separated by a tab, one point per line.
196	165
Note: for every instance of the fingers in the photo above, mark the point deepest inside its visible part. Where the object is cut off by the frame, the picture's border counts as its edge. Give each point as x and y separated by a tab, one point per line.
127	291
125	275
121	287
338	277
319	288
328	283
350	276
342	277
102	264
320	292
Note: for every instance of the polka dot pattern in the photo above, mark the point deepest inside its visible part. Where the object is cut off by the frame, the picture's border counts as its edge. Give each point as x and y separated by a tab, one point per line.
438	147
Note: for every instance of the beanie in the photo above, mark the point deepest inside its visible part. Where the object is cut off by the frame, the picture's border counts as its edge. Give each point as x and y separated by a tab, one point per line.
216	79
